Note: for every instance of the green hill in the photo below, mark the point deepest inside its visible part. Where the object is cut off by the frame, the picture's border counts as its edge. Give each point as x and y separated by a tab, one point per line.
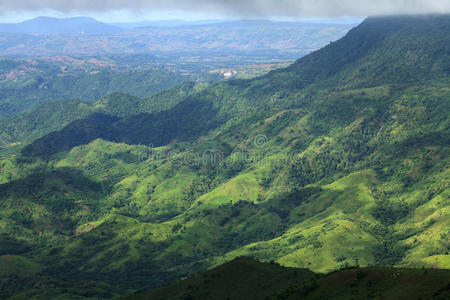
50	117
244	278
338	160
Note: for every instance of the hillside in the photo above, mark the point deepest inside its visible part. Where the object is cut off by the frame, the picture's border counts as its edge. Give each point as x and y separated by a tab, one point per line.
53	116
244	278
339	160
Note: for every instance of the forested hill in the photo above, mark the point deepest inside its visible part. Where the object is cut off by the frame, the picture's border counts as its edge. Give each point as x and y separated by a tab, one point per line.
339	160
245	279
381	50
53	116
384	50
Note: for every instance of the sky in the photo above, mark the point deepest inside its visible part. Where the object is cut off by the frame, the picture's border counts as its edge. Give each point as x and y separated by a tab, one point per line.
140	10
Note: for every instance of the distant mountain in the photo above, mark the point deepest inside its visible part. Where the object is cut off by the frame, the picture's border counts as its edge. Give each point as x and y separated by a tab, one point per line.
49	25
175	23
275	40
163	23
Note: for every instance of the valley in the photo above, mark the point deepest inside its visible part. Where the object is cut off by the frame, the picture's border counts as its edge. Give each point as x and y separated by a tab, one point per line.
337	163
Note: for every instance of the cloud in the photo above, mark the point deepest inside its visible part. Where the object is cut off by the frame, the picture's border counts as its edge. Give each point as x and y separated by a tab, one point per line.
264	8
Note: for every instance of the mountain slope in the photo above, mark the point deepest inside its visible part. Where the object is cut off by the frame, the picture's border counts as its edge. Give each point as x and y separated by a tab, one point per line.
54	116
314	167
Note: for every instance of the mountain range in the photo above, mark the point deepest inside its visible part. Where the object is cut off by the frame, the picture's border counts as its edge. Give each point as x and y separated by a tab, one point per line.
339	160
49	25
88	25
87	36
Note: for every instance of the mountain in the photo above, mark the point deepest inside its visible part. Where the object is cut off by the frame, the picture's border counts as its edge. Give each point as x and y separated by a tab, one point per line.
339	160
244	278
70	26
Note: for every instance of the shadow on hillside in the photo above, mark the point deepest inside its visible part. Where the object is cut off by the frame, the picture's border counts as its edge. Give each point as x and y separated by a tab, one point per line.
186	121
59	191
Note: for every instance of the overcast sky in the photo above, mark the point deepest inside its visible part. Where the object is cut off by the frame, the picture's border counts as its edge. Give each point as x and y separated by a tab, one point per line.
121	10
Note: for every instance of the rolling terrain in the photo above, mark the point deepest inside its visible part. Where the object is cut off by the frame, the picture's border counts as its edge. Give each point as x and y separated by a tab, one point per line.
339	160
